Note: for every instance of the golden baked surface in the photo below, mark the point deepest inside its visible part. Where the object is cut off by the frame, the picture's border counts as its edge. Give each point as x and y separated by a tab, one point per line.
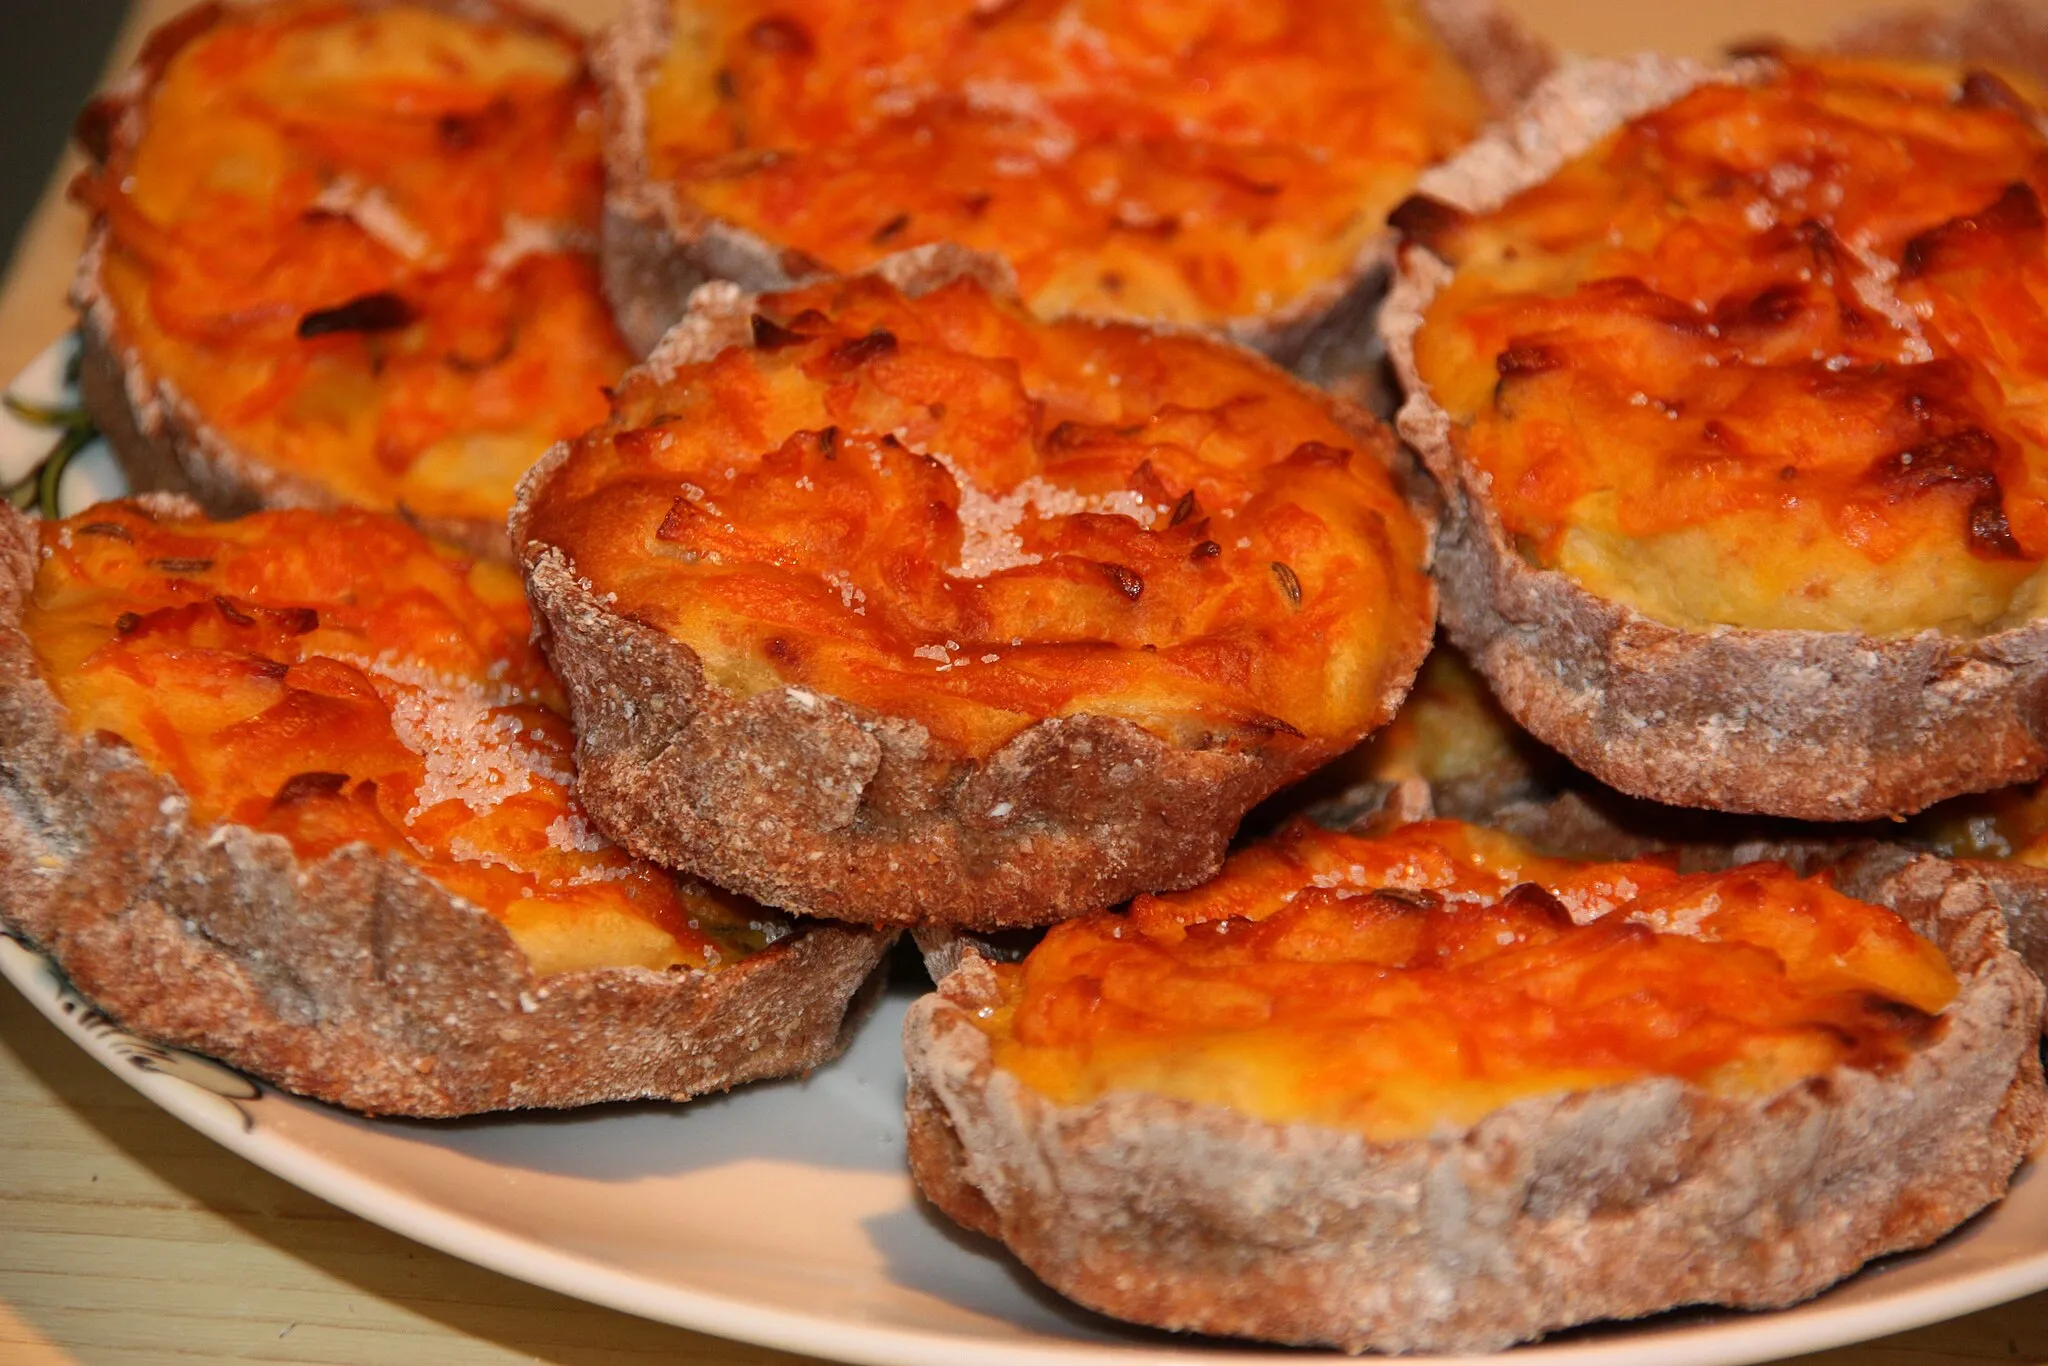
1192	161
336	678
355	239
1428	976
1769	356
944	510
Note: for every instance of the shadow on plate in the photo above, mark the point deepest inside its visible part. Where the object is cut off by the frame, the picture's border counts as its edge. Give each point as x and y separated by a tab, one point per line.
507	1319
847	1116
924	1250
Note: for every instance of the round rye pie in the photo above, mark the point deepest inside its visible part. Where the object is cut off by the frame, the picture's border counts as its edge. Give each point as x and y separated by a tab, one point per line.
1193	162
296	791
342	252
1733	380
1428	1091
883	600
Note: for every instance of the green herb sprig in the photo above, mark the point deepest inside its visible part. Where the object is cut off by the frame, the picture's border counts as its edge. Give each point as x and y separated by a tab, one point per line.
38	488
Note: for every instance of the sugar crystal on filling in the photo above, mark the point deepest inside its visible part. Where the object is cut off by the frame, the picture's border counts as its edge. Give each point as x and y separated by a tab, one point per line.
471	752
571	833
989	539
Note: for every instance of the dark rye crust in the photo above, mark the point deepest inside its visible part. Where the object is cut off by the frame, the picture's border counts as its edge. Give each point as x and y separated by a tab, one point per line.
2022	892
2012	34
657	249
161	441
1552	1211
1360	808
1832	726
802	800
351	978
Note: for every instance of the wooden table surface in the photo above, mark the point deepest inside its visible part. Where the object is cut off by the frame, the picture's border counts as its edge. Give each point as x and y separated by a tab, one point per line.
127	1238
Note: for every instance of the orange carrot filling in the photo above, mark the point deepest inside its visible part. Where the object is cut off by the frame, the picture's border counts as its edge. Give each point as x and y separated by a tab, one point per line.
1401	983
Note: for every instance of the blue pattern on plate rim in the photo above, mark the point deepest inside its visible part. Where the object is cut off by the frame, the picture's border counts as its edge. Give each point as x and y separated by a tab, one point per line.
146	1055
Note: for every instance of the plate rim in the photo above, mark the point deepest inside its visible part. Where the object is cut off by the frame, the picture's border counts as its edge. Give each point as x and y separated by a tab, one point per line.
1736	1340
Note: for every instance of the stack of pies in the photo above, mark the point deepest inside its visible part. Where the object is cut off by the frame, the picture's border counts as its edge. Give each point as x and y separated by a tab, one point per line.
990	521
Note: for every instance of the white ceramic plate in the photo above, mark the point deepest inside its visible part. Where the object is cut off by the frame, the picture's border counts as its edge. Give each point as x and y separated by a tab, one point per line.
783	1215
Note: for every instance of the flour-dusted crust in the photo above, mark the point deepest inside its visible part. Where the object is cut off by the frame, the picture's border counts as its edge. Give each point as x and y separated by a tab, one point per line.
2012	34
802	800
351	977
1812	724
2022	892
808	802
657	249
1363	807
1552	1211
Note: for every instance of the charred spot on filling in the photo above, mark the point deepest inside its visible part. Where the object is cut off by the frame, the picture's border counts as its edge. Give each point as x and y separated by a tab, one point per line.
1125	580
2015	214
1070	435
770	335
464	132
1524	360
301	786
1967	462
1535	899
1429	223
851	355
1414	899
1320	453
1981	89
382	311
1528	358
1766	311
